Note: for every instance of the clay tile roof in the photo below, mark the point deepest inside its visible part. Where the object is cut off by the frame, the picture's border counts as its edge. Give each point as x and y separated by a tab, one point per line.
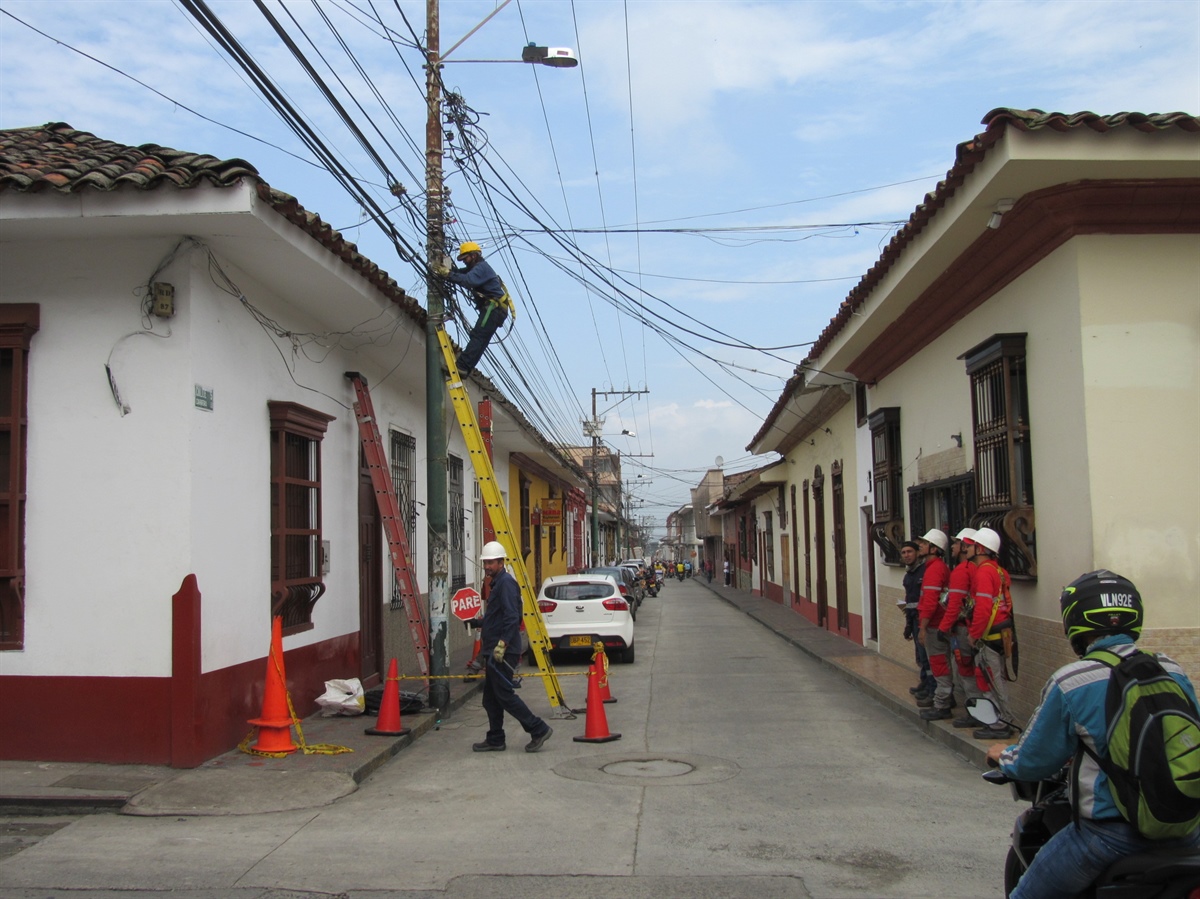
57	157
967	156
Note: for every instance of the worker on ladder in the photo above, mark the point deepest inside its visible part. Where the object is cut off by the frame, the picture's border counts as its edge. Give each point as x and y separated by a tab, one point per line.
488	296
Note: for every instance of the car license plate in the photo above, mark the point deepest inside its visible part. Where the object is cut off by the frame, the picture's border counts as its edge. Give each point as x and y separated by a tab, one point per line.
579	641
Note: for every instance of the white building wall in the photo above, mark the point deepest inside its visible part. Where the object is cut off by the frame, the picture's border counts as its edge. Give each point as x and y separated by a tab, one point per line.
121	508
105	503
1141	370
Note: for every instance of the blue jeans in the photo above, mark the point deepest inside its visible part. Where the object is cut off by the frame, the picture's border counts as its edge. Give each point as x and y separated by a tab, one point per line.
1074	858
924	675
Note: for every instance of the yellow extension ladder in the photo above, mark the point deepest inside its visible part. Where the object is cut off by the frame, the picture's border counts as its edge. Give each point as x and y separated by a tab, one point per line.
535	628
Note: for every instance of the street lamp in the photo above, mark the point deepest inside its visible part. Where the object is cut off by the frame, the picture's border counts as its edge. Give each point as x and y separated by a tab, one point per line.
437	459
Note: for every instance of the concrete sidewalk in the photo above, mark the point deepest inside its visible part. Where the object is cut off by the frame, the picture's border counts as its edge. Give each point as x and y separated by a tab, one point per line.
236	783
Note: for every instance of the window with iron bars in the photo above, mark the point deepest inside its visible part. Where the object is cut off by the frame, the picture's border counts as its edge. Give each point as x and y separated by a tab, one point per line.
1003	453
296	561
457	524
404	482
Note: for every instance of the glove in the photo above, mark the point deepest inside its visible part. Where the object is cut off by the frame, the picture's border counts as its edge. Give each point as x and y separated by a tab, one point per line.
498	652
908	632
442	269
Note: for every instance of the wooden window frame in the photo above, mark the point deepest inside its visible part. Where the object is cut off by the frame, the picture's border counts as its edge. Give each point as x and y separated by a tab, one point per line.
296	553
402	460
524	485
1000	422
887	483
18	323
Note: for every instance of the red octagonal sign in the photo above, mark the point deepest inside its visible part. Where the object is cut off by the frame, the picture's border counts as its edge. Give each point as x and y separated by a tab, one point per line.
466	603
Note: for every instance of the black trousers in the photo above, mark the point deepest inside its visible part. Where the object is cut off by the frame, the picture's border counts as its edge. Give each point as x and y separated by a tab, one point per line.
498	698
489	322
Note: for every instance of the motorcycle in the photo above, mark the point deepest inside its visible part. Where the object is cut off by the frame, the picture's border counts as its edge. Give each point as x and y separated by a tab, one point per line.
1158	874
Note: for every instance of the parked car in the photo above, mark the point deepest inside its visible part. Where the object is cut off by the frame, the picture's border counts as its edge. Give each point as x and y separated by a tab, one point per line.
582	609
630	588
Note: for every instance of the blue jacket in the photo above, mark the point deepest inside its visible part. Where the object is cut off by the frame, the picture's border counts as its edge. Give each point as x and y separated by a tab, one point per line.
481	279
502	618
1072	709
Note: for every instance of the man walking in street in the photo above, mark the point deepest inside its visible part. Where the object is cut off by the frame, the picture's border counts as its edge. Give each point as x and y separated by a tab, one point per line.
500	646
934	582
488	296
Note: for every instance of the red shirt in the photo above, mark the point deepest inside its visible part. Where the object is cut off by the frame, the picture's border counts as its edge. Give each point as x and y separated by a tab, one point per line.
929	606
988	591
962	583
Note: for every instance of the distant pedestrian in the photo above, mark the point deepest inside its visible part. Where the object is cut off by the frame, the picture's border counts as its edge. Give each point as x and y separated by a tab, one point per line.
500	647
726	572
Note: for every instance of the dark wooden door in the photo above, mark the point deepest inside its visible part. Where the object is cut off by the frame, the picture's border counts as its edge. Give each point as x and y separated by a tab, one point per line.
818	489
839	549
370	580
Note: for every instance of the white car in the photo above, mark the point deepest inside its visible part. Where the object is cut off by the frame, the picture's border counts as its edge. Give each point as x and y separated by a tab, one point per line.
582	609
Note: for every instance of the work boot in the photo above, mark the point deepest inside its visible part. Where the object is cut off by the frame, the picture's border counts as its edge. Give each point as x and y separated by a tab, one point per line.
919	688
924	702
485	746
966	721
935	714
536	743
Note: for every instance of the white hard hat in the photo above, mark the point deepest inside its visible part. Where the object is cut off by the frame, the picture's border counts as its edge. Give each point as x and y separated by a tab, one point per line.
937	538
492	550
965	534
988	539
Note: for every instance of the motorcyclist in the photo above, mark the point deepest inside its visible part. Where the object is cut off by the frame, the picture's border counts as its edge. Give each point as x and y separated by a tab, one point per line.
1100	610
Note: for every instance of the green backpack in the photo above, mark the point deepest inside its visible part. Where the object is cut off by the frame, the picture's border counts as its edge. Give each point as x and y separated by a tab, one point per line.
1153	758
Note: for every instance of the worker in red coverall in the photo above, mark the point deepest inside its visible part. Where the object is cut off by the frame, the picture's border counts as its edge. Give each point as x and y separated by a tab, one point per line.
930	612
990	617
957	617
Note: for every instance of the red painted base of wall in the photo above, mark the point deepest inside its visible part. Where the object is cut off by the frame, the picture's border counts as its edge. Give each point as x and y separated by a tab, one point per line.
180	721
808	609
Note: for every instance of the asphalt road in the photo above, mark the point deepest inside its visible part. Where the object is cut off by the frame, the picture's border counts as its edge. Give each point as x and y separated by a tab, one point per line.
744	768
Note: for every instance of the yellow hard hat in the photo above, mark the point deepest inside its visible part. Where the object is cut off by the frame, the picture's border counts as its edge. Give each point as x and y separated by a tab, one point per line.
469	247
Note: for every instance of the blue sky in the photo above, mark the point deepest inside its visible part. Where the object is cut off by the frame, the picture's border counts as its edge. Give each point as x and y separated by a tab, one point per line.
730	169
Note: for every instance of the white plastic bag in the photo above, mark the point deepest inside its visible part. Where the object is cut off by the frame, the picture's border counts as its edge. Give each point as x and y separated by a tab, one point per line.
342	697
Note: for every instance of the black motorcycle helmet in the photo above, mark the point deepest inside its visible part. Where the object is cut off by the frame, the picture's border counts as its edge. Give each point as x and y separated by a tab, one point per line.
1100	602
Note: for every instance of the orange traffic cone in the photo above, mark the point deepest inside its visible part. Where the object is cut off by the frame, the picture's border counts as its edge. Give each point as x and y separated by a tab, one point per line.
388	722
275	723
600	662
596	728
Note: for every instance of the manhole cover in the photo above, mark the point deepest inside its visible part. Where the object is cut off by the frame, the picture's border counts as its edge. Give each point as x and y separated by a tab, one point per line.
649	768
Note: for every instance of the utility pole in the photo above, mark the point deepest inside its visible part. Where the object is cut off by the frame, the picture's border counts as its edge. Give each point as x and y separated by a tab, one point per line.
592	428
436	501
